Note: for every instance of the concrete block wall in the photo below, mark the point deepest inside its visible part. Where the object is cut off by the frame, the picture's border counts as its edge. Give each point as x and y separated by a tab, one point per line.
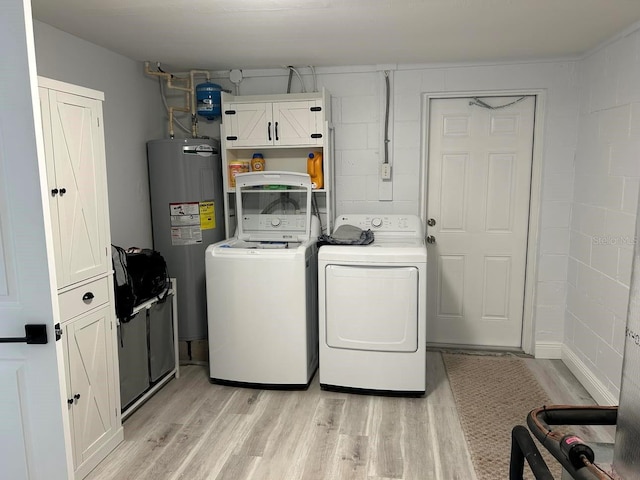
605	199
358	116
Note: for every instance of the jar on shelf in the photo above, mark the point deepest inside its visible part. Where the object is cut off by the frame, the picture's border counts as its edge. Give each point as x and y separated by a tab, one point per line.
235	167
257	163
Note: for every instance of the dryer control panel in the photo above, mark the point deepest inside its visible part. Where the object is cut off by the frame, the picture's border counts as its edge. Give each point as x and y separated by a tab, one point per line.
404	225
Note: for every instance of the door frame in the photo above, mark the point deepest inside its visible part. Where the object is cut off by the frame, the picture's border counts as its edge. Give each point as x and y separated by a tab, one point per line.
535	200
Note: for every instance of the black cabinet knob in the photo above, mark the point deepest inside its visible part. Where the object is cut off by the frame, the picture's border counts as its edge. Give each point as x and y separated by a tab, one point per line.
70	401
63	191
77	396
54	192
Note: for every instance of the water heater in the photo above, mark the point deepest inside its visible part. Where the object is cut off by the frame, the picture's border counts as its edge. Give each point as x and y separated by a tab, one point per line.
185	183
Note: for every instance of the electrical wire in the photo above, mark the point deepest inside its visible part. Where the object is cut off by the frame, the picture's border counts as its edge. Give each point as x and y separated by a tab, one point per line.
595	469
386	117
304	90
316	210
479	103
315	80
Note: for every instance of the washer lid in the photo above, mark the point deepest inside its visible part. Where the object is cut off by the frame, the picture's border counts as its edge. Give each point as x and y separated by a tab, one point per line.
273	206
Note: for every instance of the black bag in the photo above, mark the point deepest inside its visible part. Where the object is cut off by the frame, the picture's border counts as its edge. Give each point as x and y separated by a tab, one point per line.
125	299
148	273
140	274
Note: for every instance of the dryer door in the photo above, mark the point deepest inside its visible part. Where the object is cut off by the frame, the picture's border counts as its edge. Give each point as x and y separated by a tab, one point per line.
372	307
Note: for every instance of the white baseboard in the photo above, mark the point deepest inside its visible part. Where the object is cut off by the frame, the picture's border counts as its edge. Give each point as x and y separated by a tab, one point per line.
548	350
595	387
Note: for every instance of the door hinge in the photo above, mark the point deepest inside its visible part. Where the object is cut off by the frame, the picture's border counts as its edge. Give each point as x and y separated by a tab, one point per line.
98	118
58	331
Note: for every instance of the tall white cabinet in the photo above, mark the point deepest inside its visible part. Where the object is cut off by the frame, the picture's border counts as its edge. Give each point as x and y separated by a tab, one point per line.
285	129
77	191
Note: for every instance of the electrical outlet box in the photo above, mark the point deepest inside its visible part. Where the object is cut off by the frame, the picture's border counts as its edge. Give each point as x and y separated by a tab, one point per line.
385	171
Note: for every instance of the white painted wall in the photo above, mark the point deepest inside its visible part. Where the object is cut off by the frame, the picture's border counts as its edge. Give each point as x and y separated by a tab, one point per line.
607	171
132	115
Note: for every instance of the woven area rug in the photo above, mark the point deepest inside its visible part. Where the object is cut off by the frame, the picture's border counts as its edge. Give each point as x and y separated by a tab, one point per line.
493	394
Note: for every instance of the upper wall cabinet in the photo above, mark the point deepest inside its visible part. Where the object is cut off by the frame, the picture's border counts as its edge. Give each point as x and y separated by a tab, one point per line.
294	122
284	129
74	148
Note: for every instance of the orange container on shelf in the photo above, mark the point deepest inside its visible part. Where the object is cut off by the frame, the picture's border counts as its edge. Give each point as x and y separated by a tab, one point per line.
314	169
235	168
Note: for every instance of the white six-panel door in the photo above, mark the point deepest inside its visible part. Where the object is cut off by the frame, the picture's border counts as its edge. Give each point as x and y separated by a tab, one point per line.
479	174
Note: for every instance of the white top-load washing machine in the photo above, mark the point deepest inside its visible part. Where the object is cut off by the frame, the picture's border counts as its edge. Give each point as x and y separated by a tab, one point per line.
372	308
262	286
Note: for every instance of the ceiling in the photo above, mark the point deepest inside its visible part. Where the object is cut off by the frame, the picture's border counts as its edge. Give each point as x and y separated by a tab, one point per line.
250	34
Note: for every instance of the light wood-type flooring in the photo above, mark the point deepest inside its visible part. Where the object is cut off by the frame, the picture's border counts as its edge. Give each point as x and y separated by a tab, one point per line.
193	430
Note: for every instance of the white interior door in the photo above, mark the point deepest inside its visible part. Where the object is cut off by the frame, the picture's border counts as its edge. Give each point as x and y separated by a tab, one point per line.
34	430
479	177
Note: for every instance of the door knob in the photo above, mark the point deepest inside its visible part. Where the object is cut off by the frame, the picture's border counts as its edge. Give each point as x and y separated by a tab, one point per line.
431	239
431	222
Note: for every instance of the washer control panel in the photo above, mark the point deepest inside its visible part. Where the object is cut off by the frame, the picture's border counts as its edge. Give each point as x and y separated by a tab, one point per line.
265	223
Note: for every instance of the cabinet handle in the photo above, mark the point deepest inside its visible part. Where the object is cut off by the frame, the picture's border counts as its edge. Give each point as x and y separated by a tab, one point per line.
277	138
269	130
77	396
87	297
63	191
316	135
54	192
70	401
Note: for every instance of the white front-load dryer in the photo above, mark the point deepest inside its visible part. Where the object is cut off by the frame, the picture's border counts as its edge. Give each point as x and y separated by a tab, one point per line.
372	308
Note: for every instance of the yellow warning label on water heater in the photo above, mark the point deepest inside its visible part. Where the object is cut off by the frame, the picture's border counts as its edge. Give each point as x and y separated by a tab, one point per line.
207	215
